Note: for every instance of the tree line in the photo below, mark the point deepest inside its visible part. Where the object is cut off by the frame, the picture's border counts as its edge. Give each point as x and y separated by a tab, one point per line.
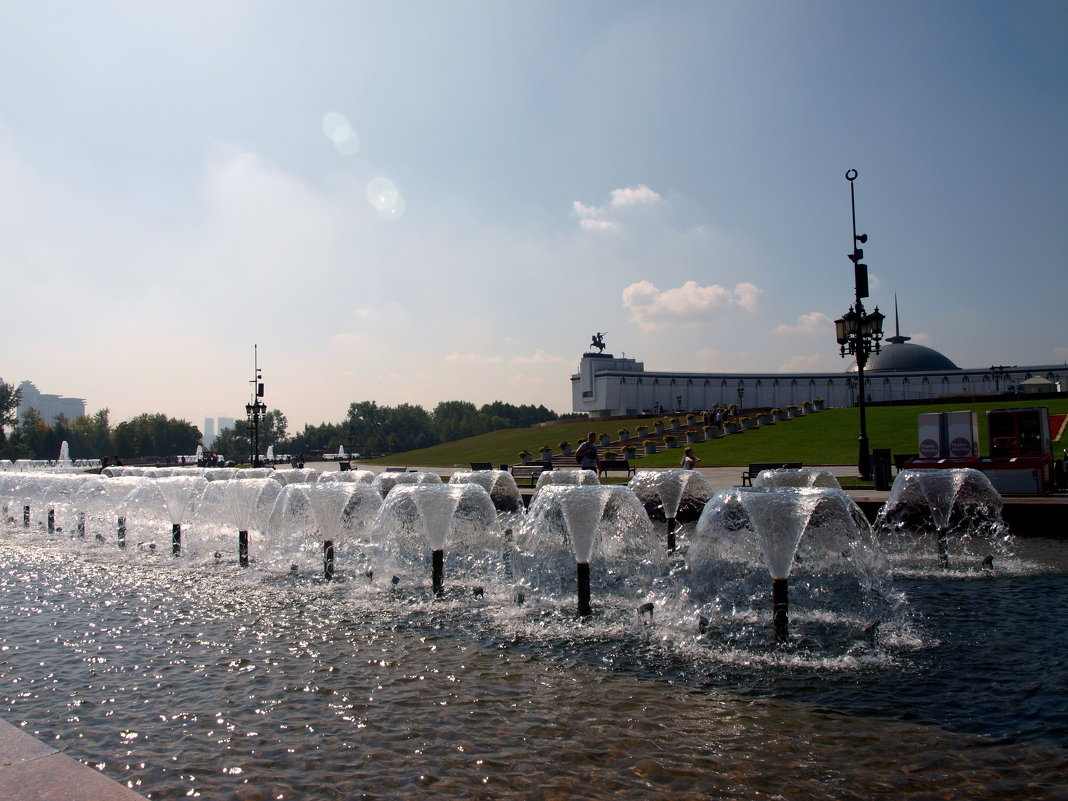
368	429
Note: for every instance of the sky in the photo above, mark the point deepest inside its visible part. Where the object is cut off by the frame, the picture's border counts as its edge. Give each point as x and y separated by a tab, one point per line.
413	202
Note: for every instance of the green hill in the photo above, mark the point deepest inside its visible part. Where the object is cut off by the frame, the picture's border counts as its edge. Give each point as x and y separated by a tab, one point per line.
827	437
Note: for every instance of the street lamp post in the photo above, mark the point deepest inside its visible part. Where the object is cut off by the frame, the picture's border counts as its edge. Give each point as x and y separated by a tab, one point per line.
859	333
255	409
741	392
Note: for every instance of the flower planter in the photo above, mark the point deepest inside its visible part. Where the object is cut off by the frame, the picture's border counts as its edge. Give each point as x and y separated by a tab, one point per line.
524	458
671	443
565	450
605	440
650	449
762	420
711	432
630	452
624	434
546	454
643	431
659	428
694	436
730	428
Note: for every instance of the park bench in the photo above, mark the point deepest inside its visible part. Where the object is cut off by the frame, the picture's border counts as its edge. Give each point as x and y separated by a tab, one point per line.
344	466
616	466
530	471
396	469
481	465
754	470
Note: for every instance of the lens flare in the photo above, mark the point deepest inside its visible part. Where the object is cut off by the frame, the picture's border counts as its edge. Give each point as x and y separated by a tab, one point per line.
383	194
338	130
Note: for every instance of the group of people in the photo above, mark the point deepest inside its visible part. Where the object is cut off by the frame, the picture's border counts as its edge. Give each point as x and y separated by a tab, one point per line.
589	458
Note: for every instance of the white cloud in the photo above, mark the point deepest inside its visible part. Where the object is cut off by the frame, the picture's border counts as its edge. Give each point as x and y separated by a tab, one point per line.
634	196
811	323
605	218
651	309
599	225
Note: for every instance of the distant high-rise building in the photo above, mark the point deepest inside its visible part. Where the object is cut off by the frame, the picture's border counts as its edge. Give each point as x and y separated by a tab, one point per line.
48	406
225	422
209	432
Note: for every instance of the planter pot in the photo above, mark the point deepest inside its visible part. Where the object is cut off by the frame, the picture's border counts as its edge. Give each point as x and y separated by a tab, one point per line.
777	417
525	459
643	431
606	441
745	425
730	428
565	450
659	428
546	455
624	436
694	436
650	449
818	405
671	443
630	453
763	420
690	419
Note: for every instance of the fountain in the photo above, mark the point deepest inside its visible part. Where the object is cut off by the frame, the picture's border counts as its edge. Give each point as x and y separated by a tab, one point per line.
664	491
311	522
384	482
64	455
417	517
571	527
243	504
744	531
957	511
500	485
174	495
550	478
796	477
353	476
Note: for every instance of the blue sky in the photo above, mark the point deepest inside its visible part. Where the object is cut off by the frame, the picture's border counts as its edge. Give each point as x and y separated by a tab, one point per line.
426	201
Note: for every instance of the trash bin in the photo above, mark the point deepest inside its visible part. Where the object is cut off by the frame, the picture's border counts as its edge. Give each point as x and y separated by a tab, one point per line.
880	466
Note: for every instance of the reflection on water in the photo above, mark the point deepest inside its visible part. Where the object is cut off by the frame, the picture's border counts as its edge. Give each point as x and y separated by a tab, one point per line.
184	680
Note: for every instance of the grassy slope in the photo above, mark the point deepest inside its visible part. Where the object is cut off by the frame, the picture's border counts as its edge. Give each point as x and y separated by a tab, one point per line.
828	437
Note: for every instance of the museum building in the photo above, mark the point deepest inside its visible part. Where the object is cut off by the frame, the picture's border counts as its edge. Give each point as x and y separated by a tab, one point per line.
606	386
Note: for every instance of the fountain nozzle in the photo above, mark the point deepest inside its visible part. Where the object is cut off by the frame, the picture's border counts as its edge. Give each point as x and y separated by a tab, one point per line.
780	602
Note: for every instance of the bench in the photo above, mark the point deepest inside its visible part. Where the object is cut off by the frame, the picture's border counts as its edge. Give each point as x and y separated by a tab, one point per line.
756	467
344	465
481	466
396	469
617	466
530	471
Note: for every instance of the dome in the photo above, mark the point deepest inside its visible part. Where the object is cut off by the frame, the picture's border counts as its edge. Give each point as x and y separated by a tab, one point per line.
905	357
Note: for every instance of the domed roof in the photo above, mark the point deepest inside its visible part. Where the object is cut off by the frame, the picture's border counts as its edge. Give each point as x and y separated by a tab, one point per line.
904	357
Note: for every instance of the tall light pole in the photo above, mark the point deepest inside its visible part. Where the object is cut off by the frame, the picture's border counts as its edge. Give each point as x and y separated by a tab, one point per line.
858	333
255	409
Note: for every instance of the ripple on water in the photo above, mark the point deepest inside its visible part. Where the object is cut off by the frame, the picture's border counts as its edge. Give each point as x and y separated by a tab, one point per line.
181	679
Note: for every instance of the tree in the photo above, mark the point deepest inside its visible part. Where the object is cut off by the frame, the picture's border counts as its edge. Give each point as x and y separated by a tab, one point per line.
31	436
9	406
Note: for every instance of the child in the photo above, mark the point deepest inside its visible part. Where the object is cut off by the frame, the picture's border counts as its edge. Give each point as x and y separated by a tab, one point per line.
689	461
